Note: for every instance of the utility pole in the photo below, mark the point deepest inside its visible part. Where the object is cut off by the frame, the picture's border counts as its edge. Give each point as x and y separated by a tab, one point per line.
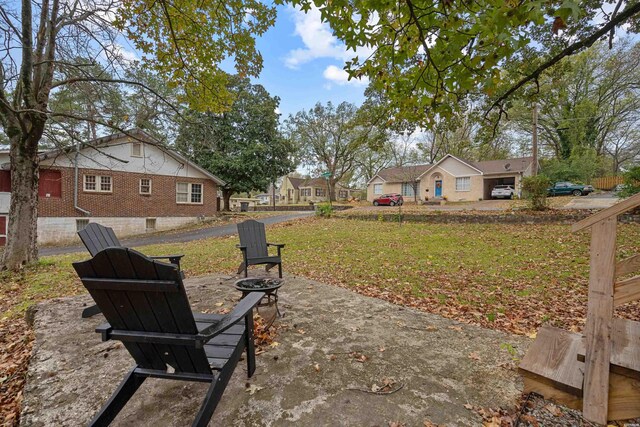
534	142
273	194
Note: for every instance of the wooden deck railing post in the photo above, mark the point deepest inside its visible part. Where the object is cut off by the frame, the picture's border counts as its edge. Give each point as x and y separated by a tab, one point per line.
599	320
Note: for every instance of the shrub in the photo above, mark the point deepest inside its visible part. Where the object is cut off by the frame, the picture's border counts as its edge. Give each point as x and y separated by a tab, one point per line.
631	182
581	167
536	191
324	210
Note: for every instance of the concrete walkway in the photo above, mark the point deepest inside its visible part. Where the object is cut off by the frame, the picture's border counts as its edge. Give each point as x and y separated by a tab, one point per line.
179	236
592	201
332	348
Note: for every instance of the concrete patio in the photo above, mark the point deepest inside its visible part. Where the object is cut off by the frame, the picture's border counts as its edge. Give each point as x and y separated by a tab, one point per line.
311	377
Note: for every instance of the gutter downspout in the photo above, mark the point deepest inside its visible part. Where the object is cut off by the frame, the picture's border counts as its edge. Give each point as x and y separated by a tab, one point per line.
75	184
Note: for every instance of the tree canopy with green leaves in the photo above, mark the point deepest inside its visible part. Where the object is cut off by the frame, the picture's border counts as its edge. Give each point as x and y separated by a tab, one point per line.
427	56
45	48
590	101
242	146
331	139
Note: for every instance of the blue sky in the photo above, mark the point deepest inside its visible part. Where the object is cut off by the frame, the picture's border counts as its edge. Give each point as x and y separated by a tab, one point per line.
303	63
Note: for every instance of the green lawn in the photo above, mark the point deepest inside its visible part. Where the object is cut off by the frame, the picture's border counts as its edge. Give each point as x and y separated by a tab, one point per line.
509	277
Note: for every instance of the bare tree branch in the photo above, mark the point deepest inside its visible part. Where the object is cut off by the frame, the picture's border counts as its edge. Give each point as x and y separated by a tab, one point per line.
570	50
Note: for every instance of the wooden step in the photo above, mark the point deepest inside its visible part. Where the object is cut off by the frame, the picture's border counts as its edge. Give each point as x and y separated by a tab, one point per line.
552	359
551	368
625	348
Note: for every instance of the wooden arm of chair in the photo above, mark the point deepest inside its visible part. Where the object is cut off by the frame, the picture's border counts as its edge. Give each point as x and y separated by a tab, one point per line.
239	311
280	245
173	259
108	333
277	245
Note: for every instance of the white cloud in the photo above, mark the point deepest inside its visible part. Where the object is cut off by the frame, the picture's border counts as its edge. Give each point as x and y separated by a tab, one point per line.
341	77
318	40
118	53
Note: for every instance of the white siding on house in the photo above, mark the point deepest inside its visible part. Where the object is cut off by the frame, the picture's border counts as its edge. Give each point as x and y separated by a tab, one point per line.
55	230
457	168
154	162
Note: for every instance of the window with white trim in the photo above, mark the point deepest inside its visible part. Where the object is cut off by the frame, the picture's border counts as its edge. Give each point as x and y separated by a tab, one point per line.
97	183
188	193
343	194
320	192
463	183
377	188
305	192
408	189
145	185
137	149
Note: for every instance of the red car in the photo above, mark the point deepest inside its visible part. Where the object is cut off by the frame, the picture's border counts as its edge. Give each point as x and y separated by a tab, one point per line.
389	199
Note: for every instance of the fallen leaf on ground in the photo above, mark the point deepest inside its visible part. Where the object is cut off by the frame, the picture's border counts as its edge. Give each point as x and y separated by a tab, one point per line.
253	389
553	409
530	419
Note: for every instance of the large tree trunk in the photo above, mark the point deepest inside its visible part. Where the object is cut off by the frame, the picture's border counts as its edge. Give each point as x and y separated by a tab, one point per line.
226	196
22	230
332	190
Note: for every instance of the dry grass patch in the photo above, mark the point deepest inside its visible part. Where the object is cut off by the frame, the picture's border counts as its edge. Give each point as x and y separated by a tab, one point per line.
508	277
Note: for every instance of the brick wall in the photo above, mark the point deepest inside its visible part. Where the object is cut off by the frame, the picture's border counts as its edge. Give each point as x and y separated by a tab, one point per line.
125	199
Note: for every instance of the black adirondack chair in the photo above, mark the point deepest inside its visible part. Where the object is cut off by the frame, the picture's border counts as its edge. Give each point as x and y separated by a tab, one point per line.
97	237
255	249
146	305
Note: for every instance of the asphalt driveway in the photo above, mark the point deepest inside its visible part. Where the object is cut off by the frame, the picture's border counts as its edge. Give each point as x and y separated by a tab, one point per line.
186	236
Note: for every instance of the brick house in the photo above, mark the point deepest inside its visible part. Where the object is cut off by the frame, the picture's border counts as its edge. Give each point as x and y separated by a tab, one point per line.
133	185
451	178
305	190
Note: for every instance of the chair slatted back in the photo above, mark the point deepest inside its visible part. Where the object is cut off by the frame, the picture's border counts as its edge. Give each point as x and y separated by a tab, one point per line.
138	294
253	236
97	237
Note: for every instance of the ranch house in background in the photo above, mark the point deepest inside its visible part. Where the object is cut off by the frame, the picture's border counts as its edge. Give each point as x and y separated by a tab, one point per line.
133	185
451	178
304	190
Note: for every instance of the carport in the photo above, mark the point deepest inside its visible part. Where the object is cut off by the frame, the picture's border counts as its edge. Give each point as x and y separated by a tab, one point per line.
489	183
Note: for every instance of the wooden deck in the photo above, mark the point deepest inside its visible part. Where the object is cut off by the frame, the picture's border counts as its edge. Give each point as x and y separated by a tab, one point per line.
554	368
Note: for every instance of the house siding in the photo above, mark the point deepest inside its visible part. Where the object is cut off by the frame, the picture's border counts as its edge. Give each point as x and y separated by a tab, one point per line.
64	230
370	194
457	168
482	175
449	186
125	199
290	195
